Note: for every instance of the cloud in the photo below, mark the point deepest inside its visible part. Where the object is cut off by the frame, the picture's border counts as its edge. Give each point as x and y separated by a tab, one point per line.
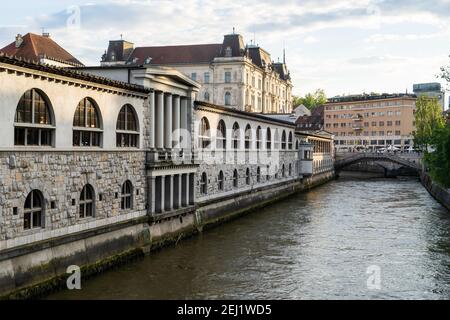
310	39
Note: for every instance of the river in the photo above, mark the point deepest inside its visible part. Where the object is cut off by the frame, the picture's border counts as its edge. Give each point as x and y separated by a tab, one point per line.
315	245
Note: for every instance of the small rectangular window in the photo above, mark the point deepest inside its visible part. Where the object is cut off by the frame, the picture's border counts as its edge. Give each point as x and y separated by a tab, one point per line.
15	211
53	205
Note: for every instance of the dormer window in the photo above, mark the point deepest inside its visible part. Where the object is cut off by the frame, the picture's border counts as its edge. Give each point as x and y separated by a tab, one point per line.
228	52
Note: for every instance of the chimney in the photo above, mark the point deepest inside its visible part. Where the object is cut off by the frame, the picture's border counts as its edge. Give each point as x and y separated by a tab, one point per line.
19	40
46	34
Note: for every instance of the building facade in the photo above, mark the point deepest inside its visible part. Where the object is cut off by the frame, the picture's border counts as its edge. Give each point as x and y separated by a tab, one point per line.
371	122
232	74
431	90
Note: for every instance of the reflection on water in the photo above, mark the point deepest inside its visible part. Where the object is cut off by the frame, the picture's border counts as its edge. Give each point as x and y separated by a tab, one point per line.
316	245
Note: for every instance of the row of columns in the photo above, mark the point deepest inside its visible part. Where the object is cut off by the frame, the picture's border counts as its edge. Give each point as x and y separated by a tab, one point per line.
170	113
322	146
171	192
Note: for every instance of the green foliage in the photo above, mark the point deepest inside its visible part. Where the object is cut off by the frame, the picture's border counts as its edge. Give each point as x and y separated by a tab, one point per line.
312	100
428	117
439	159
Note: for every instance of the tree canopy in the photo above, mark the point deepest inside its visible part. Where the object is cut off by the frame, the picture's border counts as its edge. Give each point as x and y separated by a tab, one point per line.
311	100
428	117
439	160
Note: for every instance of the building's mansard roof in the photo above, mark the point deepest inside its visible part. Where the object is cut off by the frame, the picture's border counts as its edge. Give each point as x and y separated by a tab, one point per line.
68	72
34	47
313	122
187	54
232	46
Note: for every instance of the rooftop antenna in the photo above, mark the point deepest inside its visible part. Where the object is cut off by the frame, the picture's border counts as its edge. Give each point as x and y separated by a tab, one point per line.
284	56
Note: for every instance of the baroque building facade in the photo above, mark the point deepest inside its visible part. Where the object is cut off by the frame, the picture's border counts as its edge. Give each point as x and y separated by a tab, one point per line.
232	74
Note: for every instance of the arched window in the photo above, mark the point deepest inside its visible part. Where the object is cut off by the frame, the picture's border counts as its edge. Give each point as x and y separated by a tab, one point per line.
86	124
221	181
297	145
283	140
283	171
204	184
33	213
276	172
87	202
33	123
258	175
290	169
235	179
248	137
221	135
206	96
269	139
205	133
247	177
277	140
127	128
290	141
236	136
127	195
258	138
227	98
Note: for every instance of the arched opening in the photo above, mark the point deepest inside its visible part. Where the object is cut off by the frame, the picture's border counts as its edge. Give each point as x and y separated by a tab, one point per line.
236	136
86	124
34	123
127	195
205	134
204	184
33	213
258	175
221	181
227	98
290	142
127	135
258	138
87	202
221	139
283	140
247	177
269	139
248	136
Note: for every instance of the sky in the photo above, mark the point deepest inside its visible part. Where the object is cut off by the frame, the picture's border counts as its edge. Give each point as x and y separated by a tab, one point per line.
341	46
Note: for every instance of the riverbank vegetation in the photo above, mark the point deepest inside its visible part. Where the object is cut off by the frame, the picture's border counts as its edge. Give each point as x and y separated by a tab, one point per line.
432	136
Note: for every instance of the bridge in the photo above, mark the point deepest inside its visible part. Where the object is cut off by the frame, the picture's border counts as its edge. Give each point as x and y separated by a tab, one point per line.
408	161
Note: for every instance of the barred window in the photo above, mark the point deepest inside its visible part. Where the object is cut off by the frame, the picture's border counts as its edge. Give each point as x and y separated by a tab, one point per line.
127	196
33	211
204	184
87	202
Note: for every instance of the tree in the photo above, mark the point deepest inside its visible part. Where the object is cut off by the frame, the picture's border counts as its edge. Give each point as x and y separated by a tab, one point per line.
312	100
428	117
439	160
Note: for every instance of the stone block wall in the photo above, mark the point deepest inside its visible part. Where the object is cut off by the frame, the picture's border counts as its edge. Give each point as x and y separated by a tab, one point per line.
60	177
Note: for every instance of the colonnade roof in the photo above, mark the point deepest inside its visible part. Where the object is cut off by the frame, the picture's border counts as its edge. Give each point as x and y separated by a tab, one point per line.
70	73
242	114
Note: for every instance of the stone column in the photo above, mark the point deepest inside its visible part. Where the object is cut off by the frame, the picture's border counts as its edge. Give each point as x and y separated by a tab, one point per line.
159	121
184	190
192	188
168	121
168	203
151	195
152	132
176	120
162	193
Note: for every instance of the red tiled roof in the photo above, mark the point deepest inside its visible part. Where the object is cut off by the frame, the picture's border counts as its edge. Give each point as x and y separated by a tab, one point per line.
202	53
35	46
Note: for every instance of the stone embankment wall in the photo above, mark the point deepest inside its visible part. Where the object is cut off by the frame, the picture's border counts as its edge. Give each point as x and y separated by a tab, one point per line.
38	268
438	192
